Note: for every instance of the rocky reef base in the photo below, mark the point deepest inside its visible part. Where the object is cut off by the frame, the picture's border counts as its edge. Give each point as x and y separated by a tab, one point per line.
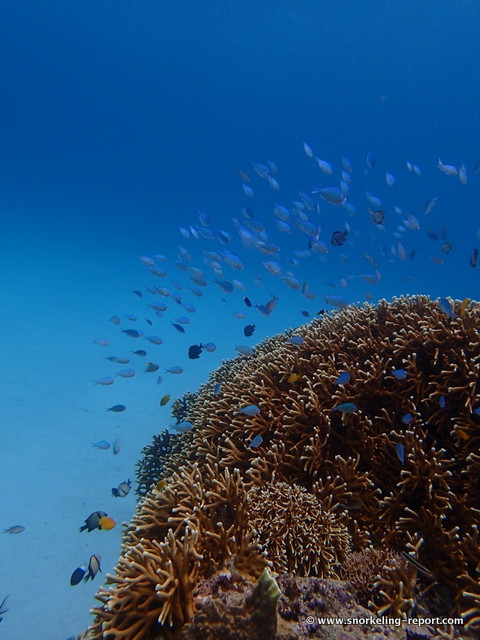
231	608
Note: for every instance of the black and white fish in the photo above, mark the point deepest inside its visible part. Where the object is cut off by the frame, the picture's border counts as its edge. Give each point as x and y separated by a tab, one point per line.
122	490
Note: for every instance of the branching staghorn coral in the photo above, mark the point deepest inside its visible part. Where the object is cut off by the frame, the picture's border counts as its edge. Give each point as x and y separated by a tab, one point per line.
181	407
201	522
393	456
299	535
150	467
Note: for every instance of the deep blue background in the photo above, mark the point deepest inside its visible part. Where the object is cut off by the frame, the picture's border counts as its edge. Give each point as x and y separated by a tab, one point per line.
118	121
113	113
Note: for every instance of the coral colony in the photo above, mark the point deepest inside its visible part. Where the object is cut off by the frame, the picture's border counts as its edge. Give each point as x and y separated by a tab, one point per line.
363	488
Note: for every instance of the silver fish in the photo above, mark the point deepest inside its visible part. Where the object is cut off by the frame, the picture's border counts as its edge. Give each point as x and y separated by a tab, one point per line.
332	195
117	445
462	174
448	169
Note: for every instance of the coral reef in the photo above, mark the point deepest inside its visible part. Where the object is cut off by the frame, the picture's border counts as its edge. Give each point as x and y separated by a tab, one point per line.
181	407
297	533
363	569
149	469
387	460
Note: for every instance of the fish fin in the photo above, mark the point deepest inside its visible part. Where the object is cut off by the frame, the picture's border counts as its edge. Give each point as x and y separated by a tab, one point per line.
2	610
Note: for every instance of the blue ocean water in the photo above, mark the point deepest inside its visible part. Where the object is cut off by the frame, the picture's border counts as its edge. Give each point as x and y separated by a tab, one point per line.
119	121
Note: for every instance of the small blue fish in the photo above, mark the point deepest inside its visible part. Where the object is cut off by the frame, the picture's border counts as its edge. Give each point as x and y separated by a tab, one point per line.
132	333
183	427
175	370
243	350
442	402
159	380
249	410
390	179
447	307
178	327
224	285
3	609
296	340
345	407
370	159
140	352
117	408
256	442
101	444
332	195
429	205
399	374
407	418
210	347
343	378
77	576
399	450
336	301
474	258
159	273
158	306
217	389
117	445
107	380
126	373
15	529
102	342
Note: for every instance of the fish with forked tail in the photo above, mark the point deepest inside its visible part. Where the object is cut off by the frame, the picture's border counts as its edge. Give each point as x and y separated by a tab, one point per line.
2	608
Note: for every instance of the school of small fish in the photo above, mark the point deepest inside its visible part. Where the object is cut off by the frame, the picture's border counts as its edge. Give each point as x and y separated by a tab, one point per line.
348	223
326	223
345	229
